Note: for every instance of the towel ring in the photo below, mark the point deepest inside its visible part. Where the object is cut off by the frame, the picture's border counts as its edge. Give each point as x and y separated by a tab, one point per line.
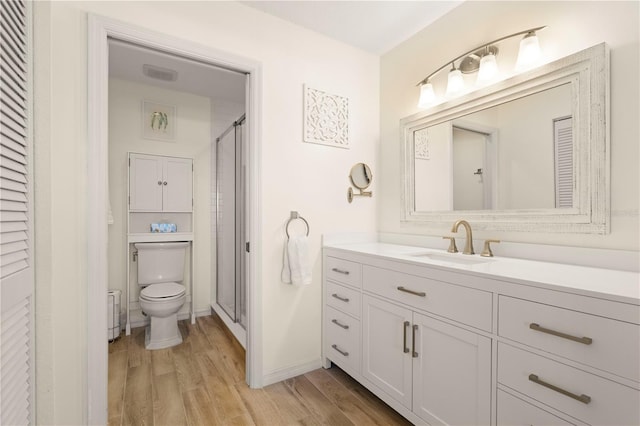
295	215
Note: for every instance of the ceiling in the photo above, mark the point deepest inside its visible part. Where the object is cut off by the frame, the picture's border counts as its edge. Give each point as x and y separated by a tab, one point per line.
374	26
126	61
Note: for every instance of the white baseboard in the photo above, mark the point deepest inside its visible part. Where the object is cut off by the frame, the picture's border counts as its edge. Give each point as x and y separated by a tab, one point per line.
289	372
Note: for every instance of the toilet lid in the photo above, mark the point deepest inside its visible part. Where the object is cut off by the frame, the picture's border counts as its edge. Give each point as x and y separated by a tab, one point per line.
162	290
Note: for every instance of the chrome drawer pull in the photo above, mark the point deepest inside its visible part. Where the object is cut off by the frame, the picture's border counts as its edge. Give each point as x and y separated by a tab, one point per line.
340	271
344	299
336	322
583	340
415	293
585	399
341	351
413	344
404	337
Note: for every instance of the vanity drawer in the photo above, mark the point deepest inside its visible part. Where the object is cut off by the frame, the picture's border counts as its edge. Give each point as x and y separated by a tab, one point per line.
514	411
605	402
343	271
342	339
603	343
463	304
343	298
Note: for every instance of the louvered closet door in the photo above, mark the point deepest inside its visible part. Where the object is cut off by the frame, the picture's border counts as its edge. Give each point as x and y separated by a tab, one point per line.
563	146
16	207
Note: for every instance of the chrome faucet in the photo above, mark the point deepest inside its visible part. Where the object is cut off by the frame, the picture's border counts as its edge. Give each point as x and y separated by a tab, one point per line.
468	245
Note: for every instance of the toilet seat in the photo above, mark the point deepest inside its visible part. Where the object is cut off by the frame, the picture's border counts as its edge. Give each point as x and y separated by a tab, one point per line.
162	291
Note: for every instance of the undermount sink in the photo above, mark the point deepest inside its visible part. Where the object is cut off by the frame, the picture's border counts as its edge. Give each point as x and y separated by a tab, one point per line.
459	259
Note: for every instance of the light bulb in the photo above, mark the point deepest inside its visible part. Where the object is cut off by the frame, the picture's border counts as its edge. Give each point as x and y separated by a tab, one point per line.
529	52
455	82
488	68
427	95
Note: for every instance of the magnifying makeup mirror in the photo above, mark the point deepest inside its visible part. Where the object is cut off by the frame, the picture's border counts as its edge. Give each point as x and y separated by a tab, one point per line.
361	177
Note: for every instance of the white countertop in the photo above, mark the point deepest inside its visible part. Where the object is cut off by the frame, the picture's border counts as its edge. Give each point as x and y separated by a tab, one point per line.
622	285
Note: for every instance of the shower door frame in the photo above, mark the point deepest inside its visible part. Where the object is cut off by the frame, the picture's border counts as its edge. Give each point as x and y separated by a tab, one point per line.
240	204
99	30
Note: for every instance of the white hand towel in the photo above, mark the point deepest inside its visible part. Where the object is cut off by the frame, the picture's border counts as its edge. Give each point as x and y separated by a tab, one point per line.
286	270
297	257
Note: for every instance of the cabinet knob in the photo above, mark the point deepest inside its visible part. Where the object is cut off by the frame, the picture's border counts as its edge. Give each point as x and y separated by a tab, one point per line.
164	183
159	182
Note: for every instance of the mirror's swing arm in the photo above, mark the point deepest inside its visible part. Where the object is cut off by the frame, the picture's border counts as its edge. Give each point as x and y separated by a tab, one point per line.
351	194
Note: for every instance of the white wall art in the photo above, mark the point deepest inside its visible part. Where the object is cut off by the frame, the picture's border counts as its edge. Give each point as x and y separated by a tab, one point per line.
158	121
421	144
326	118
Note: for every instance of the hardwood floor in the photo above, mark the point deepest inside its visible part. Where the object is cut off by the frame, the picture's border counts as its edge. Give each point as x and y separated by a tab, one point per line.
201	382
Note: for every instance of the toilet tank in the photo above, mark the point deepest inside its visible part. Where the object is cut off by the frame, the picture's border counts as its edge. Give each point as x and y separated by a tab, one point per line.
160	262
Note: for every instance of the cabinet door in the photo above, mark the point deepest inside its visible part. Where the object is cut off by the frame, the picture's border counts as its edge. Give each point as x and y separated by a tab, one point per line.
451	374
386	347
177	185
145	182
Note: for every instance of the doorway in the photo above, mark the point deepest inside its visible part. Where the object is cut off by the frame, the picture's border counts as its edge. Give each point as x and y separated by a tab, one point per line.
474	160
100	30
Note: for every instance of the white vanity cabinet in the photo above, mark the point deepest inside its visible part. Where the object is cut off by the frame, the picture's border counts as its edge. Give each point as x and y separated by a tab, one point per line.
158	183
439	371
449	345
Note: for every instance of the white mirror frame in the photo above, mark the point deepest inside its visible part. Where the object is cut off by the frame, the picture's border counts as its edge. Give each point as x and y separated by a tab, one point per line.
588	72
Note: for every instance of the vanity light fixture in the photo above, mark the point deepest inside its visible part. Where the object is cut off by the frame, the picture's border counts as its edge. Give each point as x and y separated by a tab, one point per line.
481	59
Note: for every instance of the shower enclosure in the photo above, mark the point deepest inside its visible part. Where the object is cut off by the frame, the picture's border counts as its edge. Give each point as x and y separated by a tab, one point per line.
231	161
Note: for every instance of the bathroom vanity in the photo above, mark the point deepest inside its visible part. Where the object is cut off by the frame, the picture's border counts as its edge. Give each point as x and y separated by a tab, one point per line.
458	339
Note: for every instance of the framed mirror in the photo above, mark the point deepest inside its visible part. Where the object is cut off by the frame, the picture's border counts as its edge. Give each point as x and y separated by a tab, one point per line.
530	153
360	176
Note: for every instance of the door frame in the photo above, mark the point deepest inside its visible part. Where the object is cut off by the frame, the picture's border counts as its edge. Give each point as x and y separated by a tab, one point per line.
99	30
490	196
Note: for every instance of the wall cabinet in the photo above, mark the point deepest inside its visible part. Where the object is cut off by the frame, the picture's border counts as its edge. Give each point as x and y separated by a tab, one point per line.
160	191
158	183
442	346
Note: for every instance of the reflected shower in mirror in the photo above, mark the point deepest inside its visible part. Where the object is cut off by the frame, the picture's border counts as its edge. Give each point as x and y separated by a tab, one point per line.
515	155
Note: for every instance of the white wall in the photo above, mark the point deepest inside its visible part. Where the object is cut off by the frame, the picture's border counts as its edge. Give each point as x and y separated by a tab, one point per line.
311	179
192	140
572	26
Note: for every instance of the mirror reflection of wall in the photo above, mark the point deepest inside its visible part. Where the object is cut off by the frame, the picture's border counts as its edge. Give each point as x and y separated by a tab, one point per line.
520	174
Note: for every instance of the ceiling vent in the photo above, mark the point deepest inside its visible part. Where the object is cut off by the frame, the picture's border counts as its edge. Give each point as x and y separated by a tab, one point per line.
159	73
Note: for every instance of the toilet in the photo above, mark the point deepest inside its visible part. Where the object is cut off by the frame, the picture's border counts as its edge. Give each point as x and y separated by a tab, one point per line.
160	273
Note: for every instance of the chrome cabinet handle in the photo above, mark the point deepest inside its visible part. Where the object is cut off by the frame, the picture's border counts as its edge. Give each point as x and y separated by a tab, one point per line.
344	299
583	340
415	293
413	344
344	353
340	271
336	322
404	337
585	399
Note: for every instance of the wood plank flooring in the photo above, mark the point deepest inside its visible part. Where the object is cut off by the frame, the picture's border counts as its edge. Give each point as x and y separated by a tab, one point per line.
201	382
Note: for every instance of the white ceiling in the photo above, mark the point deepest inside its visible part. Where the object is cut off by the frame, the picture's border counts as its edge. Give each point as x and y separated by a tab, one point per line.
374	26
126	61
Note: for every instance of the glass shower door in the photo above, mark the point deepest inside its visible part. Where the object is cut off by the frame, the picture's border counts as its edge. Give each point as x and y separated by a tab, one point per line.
230	220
